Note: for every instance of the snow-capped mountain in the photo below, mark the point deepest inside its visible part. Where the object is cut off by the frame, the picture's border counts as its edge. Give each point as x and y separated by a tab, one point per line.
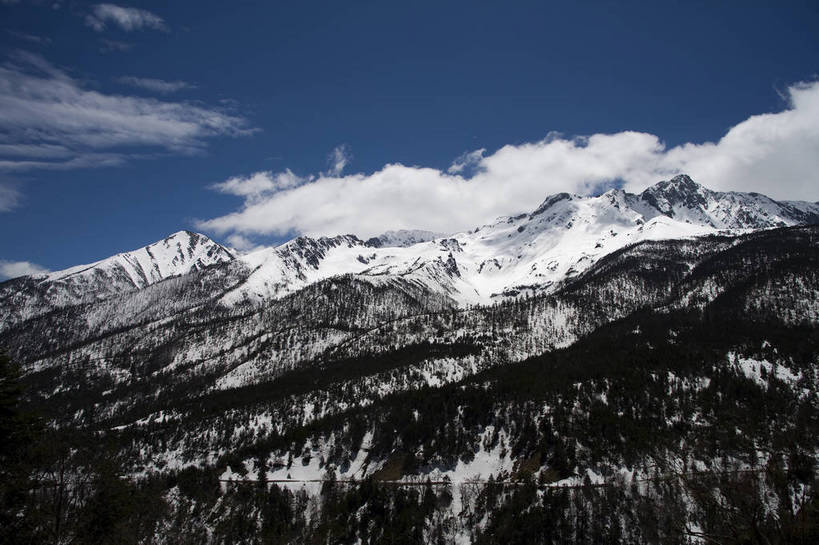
527	253
683	199
531	252
671	339
178	254
403	238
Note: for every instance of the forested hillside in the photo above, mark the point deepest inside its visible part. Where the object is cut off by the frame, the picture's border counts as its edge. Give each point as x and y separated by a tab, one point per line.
668	394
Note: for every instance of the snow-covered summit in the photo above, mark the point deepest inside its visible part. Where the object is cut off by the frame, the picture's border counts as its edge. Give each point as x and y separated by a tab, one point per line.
683	199
534	252
403	238
177	254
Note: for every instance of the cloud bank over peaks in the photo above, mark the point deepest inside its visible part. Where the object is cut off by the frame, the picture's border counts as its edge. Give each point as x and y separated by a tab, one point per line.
774	153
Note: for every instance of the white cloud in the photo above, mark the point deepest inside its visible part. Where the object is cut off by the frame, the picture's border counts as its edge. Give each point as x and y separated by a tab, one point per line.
258	184
466	160
156	85
49	115
241	243
338	159
776	154
127	19
13	269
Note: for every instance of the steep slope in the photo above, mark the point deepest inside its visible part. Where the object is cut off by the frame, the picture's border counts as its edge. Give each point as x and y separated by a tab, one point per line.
179	254
208	347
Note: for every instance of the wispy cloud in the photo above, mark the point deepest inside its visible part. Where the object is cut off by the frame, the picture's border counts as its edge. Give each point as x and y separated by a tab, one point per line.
31	38
52	121
86	160
53	4
128	19
108	46
338	159
46	151
156	85
13	269
773	153
9	197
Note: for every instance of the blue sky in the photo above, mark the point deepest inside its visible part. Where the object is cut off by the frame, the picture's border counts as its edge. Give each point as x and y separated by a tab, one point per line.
253	121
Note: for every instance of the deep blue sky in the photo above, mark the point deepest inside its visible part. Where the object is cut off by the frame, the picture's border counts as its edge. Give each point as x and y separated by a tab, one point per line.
411	82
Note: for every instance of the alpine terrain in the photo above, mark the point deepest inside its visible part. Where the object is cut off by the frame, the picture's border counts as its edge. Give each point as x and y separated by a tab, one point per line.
622	368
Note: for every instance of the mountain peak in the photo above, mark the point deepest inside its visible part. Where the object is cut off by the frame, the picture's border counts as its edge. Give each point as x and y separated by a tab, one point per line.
177	254
682	183
678	192
550	201
403	238
196	248
185	234
682	180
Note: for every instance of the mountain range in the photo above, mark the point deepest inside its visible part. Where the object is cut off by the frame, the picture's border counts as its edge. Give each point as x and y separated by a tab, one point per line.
530	253
643	366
